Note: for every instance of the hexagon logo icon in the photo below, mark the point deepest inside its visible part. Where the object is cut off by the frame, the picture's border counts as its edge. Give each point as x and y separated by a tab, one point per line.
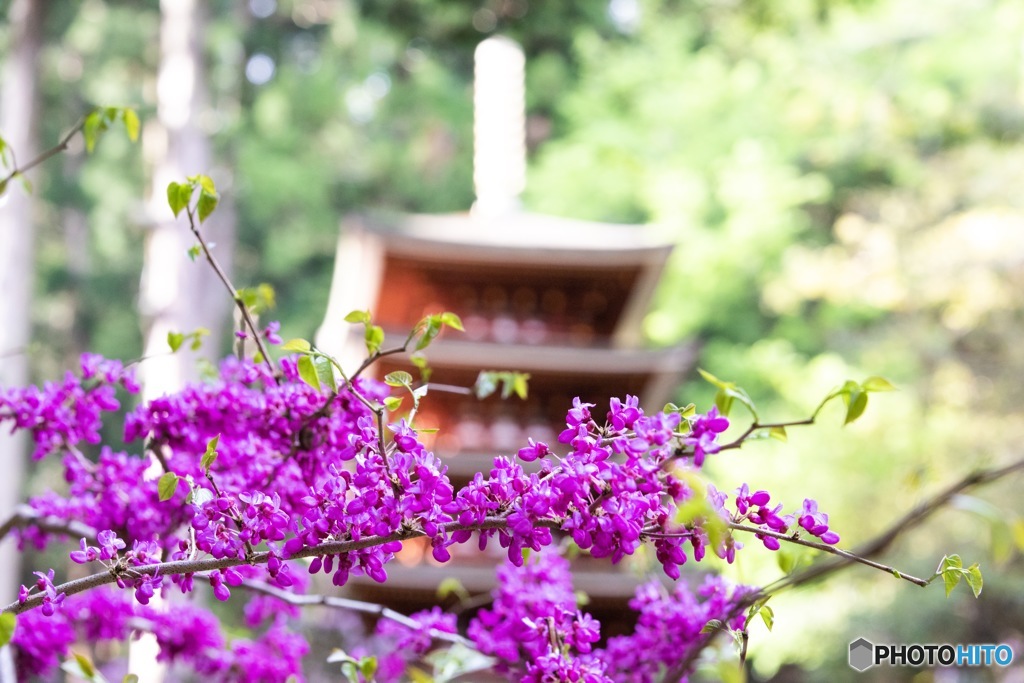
861	654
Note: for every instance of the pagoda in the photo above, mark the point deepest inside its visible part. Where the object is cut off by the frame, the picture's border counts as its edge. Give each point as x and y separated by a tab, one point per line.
560	299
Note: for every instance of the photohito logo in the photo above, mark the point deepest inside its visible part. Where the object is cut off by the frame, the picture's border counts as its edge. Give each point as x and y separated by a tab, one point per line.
864	654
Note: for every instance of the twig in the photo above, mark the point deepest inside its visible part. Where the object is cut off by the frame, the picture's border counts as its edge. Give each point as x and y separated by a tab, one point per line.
208	564
53	151
215	264
24	516
371	608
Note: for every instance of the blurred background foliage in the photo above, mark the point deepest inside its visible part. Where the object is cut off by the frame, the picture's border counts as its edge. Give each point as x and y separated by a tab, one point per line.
842	179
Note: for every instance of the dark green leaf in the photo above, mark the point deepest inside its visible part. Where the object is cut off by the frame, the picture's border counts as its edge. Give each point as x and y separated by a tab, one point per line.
167	485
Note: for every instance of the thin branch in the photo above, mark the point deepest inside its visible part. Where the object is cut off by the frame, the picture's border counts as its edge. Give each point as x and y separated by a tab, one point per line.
215	264
873	547
371	608
832	550
53	151
24	516
208	564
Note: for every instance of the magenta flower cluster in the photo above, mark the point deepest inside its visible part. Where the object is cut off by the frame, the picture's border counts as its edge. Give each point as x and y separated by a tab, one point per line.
305	473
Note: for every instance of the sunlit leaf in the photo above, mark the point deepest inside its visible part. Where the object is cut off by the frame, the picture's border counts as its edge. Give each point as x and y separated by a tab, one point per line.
307	372
167	485
7	625
297	346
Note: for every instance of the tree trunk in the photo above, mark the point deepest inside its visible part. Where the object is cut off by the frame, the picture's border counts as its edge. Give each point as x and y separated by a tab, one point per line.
176	294
18	115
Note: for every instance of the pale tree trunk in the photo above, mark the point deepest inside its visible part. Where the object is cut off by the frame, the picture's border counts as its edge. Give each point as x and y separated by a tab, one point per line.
18	116
176	294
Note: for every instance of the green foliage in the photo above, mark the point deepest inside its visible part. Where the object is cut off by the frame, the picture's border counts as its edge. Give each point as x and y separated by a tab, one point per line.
167	485
8	622
511	382
210	456
952	570
101	119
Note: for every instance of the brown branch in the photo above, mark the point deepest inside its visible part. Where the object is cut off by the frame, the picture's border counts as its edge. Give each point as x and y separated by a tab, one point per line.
24	516
873	547
370	608
208	564
53	151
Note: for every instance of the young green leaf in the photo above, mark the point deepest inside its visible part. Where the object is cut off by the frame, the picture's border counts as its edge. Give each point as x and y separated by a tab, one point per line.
297	346
392	403
307	372
431	328
91	129
453	321
767	616
131	123
324	372
175	200
973	576
398	378
175	340
7	623
858	401
778	433
210	456
194	251
167	485
876	383
358	317
374	337
712	626
207	203
708	377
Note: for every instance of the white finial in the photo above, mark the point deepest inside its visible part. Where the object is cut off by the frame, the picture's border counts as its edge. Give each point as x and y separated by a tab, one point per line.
499	126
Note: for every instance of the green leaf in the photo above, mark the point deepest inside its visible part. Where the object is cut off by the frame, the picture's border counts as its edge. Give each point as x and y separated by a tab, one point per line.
3	186
714	380
358	317
767	616
951	579
86	665
453	321
197	338
398	378
297	345
91	129
374	337
723	401
974	580
131	123
207	203
175	199
486	384
858	402
194	251
307	372
324	371
167	485
430	331
175	340
368	667
392	403
130	678
7	624
877	384
451	586
519	384
778	433
205	184
210	456
785	559
712	626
